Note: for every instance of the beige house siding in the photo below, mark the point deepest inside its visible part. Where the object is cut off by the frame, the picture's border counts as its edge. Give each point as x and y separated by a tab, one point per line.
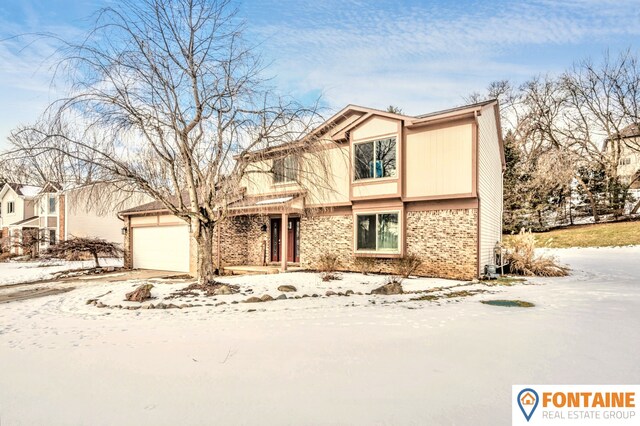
19	208
83	219
489	186
330	186
375	127
439	161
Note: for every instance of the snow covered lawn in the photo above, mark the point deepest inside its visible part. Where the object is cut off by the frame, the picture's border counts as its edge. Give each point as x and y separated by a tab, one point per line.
20	272
324	360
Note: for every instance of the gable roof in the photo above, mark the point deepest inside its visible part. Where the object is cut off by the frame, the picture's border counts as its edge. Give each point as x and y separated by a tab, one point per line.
22	190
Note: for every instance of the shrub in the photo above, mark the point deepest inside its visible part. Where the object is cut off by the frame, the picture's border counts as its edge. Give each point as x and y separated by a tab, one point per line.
364	265
522	259
330	276
328	262
408	264
6	256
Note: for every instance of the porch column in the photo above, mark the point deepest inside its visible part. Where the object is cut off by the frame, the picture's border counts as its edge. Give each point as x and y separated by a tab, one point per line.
284	239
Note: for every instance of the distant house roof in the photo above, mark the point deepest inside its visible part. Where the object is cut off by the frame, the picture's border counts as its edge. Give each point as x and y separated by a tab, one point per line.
630	131
23	221
23	190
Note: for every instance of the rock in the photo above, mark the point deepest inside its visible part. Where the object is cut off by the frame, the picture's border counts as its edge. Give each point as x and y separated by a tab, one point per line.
287	288
133	308
149	306
349	293
100	305
282	297
266	298
330	293
359	293
340	293
305	295
223	290
315	295
253	300
220	303
109	269
235	302
140	294
161	306
388	289
251	310
91	301
172	306
118	306
184	305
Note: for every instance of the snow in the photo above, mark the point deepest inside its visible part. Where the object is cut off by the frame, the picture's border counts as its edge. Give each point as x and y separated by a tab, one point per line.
30	191
328	360
14	272
275	200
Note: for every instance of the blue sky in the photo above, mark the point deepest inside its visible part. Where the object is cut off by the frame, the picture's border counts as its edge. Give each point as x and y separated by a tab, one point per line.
418	55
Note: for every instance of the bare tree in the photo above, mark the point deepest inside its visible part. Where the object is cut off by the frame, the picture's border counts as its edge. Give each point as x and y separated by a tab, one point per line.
95	247
169	98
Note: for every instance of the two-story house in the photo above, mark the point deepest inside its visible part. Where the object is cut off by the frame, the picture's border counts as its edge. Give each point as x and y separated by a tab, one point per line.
17	213
55	213
427	185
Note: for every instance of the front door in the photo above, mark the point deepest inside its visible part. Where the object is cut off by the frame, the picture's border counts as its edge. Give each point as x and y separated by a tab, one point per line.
293	239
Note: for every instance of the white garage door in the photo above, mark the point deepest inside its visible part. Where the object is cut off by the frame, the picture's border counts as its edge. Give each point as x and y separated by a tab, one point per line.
161	247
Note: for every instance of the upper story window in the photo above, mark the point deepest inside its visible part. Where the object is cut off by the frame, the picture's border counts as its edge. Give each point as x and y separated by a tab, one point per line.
52	204
624	161
375	159
377	232
285	169
11	207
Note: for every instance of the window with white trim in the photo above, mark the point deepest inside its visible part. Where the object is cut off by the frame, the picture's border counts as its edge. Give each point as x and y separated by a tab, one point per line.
52	204
11	207
375	159
378	232
285	169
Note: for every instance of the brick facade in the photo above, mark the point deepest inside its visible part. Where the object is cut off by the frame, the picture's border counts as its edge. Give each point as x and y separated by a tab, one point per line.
242	241
445	240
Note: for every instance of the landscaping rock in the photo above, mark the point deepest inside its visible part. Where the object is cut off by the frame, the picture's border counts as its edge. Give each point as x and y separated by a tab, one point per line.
348	293
91	301
109	269
253	300
140	294
184	305
223	290
330	293
282	297
149	306
315	295
266	298
388	289
220	303
100	305
161	306
287	288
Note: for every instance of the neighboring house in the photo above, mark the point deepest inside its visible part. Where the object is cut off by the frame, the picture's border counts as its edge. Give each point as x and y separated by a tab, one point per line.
17	217
429	185
629	161
57	214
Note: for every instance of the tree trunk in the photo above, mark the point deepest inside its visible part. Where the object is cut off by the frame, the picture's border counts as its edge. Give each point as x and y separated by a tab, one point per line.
635	208
592	200
206	267
95	257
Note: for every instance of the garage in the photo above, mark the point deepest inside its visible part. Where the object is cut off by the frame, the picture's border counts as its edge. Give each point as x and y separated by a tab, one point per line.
165	248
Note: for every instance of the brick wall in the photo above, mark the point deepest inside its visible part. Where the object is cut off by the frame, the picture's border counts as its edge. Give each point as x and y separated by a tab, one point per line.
241	240
445	240
61	217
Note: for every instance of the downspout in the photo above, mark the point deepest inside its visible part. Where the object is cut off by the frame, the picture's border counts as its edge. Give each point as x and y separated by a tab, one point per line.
477	188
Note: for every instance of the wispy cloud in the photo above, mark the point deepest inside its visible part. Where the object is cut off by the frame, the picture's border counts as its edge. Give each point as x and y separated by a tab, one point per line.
428	55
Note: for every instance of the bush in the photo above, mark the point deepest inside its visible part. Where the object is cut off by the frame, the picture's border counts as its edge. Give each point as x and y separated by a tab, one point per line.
522	259
364	265
328	262
408	264
6	256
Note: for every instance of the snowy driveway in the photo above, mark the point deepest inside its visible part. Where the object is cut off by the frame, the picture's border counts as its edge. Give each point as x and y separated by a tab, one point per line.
452	363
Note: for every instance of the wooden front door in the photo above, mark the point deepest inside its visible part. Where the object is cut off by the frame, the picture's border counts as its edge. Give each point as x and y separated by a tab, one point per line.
293	240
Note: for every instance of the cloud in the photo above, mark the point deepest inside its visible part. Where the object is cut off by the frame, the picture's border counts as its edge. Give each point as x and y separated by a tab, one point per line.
426	56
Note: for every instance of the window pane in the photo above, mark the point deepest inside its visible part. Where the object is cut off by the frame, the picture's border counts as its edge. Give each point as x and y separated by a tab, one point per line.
366	233
52	204
388	231
386	158
364	160
52	236
278	170
291	169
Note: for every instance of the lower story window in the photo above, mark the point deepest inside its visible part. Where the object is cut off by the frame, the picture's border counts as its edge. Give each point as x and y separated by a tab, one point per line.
377	232
52	236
